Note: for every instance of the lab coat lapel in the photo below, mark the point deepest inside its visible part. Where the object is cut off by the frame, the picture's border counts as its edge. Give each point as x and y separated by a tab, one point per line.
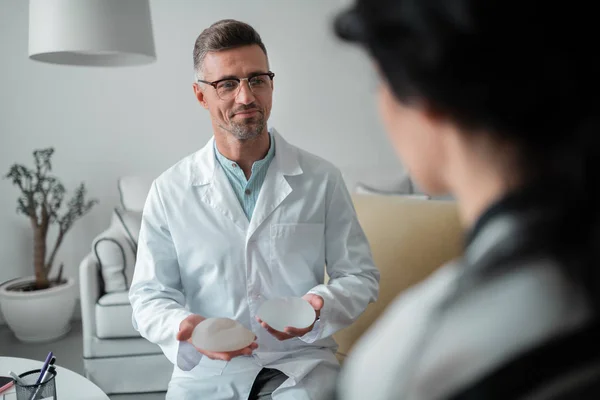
214	187
275	188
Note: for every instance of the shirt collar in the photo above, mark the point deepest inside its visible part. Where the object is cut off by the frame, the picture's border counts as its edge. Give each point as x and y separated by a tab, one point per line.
227	163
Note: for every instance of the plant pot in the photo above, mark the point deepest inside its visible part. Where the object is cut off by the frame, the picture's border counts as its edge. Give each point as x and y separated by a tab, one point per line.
38	315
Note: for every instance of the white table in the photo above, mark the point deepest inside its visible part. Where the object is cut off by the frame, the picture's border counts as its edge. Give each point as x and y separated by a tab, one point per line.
69	385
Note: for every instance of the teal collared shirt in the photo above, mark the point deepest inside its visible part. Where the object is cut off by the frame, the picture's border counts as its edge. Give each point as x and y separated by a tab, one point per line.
247	190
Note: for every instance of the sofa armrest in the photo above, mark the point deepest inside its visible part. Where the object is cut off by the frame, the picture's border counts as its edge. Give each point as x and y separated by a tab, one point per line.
90	291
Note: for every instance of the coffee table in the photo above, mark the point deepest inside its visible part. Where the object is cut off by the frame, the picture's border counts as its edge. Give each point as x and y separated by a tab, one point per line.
69	385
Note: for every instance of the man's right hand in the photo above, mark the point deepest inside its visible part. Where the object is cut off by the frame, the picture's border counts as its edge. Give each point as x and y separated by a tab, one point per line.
186	327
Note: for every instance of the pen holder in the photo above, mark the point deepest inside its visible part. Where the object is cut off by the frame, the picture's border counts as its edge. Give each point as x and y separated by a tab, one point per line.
28	390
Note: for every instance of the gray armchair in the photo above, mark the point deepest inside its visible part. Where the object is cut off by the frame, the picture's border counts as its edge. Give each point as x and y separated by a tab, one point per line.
115	356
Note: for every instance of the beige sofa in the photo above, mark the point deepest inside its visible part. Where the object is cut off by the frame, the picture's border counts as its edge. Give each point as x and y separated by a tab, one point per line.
409	238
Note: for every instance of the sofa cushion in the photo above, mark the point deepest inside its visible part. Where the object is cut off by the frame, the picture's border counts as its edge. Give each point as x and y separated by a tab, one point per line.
113	316
385	179
121	347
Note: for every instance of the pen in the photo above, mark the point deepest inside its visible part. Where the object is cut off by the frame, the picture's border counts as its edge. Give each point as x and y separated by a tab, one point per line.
50	366
44	367
38	391
49	369
6	387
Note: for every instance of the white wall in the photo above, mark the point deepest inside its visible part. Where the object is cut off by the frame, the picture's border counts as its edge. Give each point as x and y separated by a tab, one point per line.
106	122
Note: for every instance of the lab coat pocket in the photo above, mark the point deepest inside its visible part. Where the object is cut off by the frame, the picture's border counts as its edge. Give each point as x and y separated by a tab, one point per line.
298	250
208	367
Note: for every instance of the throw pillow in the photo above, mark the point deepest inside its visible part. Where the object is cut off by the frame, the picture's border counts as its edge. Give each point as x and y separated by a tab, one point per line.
361	188
115	250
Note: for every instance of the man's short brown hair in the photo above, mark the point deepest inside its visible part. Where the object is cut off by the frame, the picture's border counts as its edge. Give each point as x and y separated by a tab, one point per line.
222	35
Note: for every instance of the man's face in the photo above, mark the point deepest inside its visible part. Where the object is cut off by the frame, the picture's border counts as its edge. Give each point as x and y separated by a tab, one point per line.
245	115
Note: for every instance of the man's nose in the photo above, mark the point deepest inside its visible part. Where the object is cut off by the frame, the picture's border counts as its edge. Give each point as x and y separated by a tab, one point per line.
245	95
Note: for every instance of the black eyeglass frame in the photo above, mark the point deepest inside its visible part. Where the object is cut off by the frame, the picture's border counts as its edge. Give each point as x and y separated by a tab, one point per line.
214	84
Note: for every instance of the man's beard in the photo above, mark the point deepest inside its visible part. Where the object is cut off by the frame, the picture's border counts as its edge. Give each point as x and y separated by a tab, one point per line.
248	129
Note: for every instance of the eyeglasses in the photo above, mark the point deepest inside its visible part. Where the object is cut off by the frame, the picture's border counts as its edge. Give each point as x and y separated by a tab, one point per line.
228	88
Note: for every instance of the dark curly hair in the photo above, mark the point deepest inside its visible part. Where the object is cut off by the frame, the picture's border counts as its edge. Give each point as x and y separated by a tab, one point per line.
522	71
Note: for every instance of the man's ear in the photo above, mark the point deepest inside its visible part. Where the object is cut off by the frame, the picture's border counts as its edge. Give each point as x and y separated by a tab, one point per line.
199	93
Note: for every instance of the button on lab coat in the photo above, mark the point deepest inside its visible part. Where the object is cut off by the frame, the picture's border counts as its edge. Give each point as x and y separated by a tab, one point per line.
199	254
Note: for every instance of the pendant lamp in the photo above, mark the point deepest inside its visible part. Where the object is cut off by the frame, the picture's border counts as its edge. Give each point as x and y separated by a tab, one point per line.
107	33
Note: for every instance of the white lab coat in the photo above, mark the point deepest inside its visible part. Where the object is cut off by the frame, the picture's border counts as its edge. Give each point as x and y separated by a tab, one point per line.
198	253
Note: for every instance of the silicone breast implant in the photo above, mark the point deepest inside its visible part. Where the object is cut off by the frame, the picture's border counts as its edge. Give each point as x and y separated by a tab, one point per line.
221	334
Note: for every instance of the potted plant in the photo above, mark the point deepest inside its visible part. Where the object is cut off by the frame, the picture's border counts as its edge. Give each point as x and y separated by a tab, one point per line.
39	308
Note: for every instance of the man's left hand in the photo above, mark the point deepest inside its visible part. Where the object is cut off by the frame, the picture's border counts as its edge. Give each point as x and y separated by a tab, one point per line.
289	332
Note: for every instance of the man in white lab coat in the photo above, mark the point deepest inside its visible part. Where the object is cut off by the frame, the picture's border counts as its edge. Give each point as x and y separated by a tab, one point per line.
245	219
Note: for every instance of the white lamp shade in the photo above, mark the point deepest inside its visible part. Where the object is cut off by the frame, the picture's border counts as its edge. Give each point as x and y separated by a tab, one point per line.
91	32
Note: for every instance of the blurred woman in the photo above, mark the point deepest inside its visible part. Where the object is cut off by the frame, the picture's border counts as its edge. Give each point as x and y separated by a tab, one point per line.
495	102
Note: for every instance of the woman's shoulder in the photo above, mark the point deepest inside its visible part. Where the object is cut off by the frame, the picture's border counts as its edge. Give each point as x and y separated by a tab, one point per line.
388	346
530	301
441	335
